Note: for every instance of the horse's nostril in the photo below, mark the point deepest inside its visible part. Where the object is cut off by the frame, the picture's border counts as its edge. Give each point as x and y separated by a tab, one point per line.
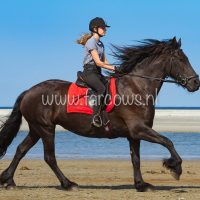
196	82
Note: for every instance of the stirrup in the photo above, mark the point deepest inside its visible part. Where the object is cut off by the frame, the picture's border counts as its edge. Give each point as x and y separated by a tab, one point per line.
98	119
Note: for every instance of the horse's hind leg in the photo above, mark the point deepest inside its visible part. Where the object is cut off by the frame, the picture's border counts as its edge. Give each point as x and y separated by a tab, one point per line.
6	178
48	138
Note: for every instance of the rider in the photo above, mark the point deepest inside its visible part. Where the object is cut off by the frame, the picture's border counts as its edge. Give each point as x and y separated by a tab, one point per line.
94	60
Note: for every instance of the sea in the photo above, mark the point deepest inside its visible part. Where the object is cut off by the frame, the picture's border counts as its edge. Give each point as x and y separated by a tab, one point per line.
70	146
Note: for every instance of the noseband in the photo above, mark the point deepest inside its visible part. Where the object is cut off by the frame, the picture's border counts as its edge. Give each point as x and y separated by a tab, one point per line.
182	80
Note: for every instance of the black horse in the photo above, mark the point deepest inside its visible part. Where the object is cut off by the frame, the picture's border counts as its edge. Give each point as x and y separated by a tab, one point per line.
144	68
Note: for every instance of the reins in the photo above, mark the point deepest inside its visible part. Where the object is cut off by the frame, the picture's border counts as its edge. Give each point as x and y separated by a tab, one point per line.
180	79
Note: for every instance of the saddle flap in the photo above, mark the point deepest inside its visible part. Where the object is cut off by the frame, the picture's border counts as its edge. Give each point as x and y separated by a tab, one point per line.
81	80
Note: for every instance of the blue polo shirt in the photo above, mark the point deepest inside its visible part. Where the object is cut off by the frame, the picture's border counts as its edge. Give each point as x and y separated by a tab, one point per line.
90	45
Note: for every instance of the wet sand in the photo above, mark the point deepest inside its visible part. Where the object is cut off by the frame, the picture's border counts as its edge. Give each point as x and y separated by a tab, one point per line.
101	179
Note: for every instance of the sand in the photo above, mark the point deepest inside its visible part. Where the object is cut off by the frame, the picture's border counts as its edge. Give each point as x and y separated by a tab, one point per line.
101	179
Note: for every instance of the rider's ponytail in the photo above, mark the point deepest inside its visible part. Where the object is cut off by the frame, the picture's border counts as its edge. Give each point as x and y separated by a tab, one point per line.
84	38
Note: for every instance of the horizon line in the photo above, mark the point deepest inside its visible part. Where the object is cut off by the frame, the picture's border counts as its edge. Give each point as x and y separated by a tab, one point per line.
158	107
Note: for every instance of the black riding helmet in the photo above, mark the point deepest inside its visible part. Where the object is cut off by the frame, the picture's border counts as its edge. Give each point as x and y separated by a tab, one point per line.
96	23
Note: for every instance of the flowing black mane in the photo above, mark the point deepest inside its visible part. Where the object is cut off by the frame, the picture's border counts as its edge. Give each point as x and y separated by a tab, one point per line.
130	56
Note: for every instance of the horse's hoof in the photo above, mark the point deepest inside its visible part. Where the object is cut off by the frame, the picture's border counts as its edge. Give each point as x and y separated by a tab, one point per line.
5	185
175	175
73	186
11	187
174	167
144	187
70	186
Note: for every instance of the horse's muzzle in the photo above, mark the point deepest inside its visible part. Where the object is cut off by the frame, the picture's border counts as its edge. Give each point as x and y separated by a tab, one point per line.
193	84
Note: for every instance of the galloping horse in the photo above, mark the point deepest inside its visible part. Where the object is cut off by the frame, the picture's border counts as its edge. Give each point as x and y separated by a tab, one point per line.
144	69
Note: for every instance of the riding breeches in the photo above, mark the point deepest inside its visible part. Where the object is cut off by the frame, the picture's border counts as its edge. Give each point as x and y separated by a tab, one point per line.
95	79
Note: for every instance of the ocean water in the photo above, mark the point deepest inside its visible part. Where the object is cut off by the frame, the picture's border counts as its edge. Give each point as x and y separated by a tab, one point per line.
71	146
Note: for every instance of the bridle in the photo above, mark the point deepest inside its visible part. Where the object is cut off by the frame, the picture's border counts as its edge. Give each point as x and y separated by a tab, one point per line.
182	80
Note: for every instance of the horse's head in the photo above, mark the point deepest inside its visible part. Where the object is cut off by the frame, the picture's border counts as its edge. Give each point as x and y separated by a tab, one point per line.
180	69
166	54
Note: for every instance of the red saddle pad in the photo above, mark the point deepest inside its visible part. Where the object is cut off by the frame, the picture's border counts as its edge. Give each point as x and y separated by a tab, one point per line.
77	100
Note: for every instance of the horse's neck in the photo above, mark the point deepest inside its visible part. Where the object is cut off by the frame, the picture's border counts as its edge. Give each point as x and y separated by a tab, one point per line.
147	86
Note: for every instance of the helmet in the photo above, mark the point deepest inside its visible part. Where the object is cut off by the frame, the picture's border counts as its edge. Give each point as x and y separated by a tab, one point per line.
97	22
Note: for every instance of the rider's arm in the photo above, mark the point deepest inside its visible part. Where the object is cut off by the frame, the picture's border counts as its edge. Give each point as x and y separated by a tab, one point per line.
105	59
98	62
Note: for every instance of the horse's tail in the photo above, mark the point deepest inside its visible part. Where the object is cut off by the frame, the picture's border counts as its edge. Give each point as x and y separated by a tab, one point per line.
10	127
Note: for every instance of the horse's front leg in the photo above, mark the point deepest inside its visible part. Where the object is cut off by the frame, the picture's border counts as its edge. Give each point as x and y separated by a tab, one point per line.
148	134
140	185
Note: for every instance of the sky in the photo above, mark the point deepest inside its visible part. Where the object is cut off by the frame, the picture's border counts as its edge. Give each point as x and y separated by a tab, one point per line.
37	39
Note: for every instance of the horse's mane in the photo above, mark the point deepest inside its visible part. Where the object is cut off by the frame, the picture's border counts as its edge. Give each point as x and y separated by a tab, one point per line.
130	56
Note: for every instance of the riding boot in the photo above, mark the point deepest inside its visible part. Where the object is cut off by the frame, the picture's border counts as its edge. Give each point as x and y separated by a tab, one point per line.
96	118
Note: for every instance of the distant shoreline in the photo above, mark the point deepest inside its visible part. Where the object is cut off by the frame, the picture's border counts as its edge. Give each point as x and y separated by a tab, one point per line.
158	108
167	119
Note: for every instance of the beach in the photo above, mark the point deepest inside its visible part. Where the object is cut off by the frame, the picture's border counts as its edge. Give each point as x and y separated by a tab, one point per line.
109	178
101	179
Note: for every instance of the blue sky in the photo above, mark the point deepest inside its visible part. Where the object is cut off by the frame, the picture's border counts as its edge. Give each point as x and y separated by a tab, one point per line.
37	39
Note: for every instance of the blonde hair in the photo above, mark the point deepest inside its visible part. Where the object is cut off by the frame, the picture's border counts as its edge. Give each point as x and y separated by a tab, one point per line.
84	38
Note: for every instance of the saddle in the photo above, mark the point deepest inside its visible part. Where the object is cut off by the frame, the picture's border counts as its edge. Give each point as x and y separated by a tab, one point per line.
81	97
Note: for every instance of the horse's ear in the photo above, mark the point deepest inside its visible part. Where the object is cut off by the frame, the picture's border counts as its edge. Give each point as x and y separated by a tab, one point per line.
174	39
174	42
179	43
